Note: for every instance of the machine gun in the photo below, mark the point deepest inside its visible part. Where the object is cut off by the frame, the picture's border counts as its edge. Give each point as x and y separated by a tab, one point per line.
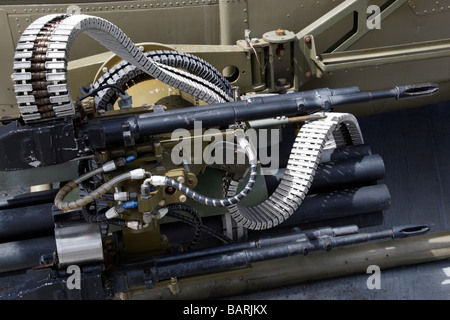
32	147
138	181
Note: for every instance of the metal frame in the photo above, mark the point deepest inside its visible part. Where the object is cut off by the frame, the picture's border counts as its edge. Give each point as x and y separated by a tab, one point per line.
310	63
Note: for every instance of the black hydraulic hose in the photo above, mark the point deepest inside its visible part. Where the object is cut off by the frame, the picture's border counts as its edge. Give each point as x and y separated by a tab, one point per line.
196	219
91	215
205	228
91	93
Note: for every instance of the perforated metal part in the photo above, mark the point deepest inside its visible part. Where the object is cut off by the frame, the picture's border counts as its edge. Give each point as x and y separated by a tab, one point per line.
42	53
124	72
336	130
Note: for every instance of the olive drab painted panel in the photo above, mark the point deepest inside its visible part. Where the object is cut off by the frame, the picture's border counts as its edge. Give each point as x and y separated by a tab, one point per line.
194	23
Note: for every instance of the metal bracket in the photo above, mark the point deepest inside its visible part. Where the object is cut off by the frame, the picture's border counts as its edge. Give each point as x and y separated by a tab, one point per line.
307	62
329	62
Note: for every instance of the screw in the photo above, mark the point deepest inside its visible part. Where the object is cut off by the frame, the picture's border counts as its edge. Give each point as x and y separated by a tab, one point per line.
307	39
308	74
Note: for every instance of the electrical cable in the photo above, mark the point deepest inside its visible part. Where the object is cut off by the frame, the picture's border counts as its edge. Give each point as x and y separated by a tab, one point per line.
93	92
196	219
205	228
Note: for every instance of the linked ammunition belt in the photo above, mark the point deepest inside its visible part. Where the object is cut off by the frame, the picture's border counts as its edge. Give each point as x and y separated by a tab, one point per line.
336	130
42	53
125	74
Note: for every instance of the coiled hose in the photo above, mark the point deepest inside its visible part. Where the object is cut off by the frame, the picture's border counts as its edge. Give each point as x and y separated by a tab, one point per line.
97	193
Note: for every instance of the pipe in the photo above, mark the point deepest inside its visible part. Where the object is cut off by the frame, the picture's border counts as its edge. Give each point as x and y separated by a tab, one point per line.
317	207
152	271
25	254
345	153
27	199
342	203
129	129
335	175
258	243
26	222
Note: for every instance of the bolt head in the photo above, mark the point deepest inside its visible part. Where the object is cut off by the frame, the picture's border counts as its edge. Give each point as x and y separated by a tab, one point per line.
280	32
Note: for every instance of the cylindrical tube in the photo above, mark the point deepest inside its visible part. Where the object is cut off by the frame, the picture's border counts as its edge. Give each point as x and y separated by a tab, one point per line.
348	173
342	204
27	199
24	254
26	222
111	130
345	153
224	259
338	174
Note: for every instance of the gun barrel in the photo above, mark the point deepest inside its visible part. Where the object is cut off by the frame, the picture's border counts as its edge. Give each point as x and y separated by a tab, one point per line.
296	104
398	92
245	253
129	129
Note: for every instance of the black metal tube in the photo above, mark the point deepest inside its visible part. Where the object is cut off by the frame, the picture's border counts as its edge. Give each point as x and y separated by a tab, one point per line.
37	220
345	153
24	254
115	130
346	173
27	199
341	203
261	242
26	222
338	174
112	130
308	241
316	207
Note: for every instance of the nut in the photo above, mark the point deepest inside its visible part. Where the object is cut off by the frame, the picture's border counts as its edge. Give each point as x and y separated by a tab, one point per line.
280	32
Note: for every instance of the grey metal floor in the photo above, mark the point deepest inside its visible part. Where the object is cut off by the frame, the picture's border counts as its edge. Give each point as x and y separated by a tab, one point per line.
415	146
